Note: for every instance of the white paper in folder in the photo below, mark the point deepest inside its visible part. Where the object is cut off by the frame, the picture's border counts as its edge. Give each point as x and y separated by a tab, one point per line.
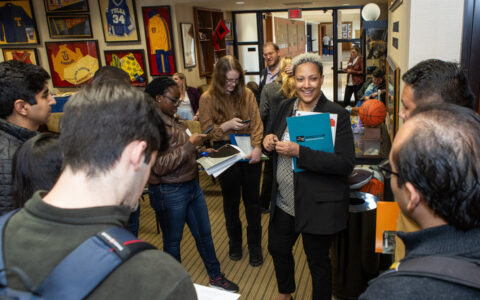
208	293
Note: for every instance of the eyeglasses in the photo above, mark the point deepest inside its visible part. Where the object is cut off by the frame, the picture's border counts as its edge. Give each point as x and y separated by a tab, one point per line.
387	171
236	80
176	101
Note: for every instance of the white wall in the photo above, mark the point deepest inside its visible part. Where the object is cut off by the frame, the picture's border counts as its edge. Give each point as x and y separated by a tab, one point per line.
436	30
427	29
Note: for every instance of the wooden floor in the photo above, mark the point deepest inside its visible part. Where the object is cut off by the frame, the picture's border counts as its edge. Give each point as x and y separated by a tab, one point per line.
254	282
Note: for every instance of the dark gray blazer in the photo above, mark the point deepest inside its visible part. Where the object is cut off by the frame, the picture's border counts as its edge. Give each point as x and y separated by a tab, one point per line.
322	191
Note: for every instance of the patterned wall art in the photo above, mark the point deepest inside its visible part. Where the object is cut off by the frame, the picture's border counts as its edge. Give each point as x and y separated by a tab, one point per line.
119	20
28	56
131	61
17	23
72	63
158	31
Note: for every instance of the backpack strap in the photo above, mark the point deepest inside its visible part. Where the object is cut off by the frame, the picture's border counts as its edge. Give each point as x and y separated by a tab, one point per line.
85	267
456	270
3	221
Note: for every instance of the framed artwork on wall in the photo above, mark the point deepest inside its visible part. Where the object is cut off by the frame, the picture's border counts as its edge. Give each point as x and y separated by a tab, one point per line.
28	56
394	4
119	20
65	6
131	61
72	63
392	98
158	31
17	22
188	44
69	26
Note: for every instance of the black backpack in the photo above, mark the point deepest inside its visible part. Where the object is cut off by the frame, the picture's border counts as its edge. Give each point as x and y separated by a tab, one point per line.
80	272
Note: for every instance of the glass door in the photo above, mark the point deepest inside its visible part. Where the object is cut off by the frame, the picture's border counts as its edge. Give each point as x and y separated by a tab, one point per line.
346	34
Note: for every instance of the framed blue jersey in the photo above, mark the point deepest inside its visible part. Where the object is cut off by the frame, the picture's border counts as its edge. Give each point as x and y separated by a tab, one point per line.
119	20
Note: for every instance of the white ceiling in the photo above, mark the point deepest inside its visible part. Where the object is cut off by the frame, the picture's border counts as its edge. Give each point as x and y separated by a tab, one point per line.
230	5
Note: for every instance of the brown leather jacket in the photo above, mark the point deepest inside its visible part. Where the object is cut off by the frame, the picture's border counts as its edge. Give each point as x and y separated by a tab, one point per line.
178	164
357	71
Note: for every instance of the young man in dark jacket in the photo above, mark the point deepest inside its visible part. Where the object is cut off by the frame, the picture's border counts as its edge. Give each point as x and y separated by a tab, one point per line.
110	136
24	105
434	177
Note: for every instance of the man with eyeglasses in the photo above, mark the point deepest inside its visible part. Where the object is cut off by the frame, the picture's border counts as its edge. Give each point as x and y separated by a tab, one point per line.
435	180
430	81
271	53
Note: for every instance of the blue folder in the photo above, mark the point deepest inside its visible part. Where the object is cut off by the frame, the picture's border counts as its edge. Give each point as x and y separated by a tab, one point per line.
312	131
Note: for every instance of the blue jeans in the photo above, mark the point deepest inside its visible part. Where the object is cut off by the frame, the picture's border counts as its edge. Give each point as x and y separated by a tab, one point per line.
179	203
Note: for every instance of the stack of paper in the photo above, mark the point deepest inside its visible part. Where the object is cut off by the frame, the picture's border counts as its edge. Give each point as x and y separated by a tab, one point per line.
243	142
216	163
208	293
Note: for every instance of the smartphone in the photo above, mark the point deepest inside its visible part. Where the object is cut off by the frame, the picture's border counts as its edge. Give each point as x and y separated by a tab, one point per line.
207	131
246	121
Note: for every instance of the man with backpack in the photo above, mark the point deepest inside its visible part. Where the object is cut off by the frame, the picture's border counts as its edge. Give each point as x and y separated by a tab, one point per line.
435	173
70	242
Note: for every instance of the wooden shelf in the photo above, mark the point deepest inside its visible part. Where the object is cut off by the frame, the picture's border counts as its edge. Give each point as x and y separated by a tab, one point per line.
205	20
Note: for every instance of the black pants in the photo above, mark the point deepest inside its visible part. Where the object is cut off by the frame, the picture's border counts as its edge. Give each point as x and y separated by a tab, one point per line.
281	238
266	195
349	90
242	179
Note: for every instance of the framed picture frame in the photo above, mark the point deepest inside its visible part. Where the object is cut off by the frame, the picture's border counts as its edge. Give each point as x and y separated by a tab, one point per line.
119	20
131	61
26	55
158	32
394	4
72	63
19	26
69	26
65	6
188	45
392	99
229	35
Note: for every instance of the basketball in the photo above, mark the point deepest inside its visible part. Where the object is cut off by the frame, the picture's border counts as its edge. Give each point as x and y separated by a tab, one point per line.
372	113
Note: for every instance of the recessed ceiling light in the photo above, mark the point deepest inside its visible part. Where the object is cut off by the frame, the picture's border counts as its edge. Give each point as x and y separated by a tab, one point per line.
240	2
345	4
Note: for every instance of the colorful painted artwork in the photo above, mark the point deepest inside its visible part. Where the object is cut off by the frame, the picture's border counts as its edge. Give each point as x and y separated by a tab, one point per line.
72	63
17	23
131	61
28	56
158	30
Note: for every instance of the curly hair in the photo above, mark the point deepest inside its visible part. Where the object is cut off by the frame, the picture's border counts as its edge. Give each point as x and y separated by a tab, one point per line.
308	58
159	85
441	158
222	100
287	80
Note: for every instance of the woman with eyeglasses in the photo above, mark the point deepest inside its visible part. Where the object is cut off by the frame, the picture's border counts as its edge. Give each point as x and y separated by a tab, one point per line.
230	108
175	193
313	203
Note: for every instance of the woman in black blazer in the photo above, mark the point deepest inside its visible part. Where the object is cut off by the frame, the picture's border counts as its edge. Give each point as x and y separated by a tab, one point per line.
314	202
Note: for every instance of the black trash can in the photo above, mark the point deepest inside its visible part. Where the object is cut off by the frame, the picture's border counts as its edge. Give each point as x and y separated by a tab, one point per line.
354	261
